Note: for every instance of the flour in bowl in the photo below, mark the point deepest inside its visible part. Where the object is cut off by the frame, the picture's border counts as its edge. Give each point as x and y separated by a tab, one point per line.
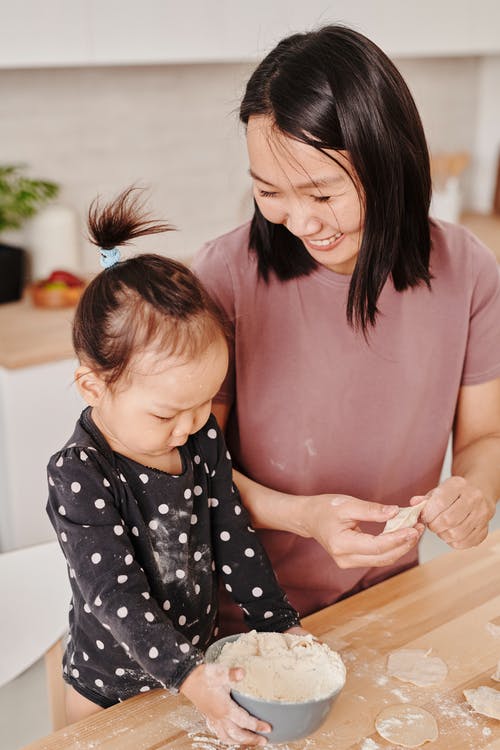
284	667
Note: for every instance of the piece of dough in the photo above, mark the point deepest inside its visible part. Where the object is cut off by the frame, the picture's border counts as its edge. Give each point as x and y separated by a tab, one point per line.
407	725
496	676
484	700
405	518
416	666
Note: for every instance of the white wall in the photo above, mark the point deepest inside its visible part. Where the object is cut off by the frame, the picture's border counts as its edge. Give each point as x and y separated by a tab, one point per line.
175	127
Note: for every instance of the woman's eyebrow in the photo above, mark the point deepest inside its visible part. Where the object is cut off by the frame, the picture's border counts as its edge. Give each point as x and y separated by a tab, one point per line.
319	182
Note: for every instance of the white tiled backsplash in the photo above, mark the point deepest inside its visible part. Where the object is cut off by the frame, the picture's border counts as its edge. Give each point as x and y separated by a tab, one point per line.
175	128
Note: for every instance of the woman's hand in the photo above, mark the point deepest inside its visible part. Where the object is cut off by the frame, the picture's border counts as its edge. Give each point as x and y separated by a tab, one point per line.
457	512
208	687
333	521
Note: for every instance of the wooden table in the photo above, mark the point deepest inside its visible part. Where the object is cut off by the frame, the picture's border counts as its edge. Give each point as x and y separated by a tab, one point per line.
444	605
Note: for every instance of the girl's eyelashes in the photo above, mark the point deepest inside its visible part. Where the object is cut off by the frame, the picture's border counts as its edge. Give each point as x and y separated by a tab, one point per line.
162	419
266	194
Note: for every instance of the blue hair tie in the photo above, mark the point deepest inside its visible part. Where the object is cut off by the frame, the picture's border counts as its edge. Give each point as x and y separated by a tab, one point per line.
109	257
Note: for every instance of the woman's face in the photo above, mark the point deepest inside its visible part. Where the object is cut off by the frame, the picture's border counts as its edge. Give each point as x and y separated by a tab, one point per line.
310	194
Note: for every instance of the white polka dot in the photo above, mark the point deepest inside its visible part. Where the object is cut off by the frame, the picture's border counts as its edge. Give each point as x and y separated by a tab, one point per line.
225	536
85	656
184	647
128	560
99	645
213	502
51	482
228	587
237	509
76	486
212	566
267	615
197	588
135	531
207	470
227	569
122	579
61	510
180	573
71	573
187	494
98	601
197	556
99	683
182	620
144	689
213	473
153	525
122	612
149	616
118	530
153	652
163	508
83	456
86	608
183	537
99	503
122	477
249	552
195	639
145	594
209	608
194	519
250	530
228	455
119	671
96	558
64	538
197	490
75	673
59	462
124	645
197	459
212	433
105	482
257	591
144	478
106	626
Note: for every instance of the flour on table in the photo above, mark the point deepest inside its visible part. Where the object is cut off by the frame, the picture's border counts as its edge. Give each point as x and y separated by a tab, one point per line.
408	726
493	627
484	700
284	666
405	518
415	665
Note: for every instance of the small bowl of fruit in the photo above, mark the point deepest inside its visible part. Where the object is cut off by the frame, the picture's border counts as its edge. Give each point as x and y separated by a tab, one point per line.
60	289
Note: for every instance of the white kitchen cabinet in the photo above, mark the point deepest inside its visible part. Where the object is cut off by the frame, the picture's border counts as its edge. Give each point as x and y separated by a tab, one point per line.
39	406
113	32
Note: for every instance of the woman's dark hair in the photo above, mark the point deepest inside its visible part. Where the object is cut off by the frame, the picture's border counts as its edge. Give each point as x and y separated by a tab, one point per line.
144	301
335	89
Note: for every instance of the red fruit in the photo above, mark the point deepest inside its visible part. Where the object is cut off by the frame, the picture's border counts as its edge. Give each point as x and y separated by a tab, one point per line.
65	277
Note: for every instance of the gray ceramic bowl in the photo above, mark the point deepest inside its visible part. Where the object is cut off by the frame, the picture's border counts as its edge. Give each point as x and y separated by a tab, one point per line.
289	721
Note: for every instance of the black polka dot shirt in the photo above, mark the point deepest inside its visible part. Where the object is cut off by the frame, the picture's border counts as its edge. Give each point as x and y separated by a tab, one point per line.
145	553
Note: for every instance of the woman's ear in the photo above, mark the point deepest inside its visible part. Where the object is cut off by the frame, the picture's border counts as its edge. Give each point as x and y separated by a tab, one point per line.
90	385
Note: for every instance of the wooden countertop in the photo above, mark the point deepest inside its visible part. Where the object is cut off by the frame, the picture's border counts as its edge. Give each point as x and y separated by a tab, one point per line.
443	605
32	336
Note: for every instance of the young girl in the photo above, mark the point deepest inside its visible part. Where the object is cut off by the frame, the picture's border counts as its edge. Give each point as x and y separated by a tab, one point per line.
141	496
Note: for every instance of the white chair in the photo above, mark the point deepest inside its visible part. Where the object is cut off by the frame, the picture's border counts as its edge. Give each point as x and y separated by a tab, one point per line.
34	596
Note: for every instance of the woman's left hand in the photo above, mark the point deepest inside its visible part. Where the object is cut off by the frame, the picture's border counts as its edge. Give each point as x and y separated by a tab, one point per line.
457	512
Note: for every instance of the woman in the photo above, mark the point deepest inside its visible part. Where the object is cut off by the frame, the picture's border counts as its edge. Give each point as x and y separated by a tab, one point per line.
364	333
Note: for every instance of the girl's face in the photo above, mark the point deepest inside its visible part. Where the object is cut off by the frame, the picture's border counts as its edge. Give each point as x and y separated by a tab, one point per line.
310	194
161	403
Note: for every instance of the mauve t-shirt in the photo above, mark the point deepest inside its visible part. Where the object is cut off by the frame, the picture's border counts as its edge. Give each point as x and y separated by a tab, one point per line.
317	409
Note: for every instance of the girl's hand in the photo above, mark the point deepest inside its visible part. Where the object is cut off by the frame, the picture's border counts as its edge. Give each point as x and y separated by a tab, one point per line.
457	512
333	521
208	688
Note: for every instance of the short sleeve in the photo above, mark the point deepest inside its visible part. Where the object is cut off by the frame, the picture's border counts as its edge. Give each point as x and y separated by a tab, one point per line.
212	269
482	358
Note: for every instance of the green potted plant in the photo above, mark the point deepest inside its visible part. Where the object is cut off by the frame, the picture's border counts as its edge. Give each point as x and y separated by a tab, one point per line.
20	198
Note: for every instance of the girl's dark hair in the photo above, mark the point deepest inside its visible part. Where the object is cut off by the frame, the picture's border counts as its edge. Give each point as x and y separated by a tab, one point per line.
335	89
147	300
